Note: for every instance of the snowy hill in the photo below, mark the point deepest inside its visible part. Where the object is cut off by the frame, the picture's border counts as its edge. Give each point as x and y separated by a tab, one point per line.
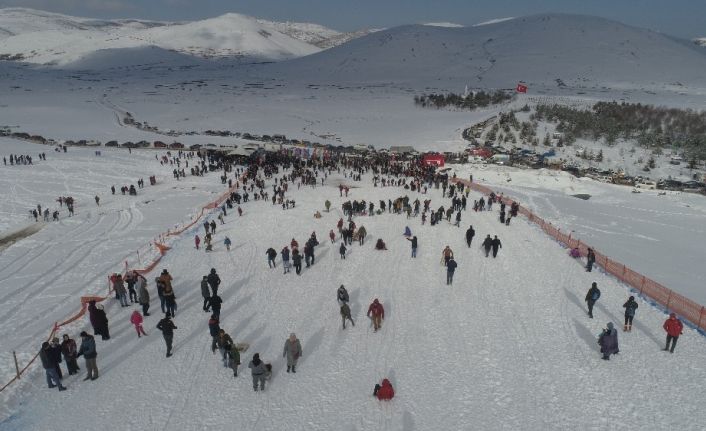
553	51
48	38
700	41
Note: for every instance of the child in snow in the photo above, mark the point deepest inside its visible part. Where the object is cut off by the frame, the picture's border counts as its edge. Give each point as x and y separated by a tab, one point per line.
384	391
136	319
227	243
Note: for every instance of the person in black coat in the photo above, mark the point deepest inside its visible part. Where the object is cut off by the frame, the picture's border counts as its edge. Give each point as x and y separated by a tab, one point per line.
55	355
496	245
167	327
470	233
590	259
297	261
450	268
487	244
630	307
99	320
271	256
214	281
342	250
214	303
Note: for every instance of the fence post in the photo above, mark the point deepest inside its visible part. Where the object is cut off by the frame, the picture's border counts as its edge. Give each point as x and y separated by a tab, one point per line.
623	272
701	316
669	299
17	365
642	285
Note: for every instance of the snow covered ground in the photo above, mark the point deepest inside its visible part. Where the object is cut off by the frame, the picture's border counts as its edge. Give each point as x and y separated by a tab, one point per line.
660	236
509	346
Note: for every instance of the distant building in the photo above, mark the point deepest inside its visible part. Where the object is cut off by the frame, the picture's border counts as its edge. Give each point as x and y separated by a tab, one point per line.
433	160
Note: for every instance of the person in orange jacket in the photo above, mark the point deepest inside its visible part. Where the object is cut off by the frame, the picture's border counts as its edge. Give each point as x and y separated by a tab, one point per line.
674	329
384	391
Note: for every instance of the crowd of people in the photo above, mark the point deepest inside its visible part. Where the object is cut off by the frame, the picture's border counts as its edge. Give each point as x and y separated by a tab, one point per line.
282	171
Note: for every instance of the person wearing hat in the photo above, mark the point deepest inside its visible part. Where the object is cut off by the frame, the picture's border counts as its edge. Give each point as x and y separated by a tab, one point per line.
167	327
630	306
258	372
377	313
53	379
68	349
214	281
591	297
88	350
292	351
674	329
608	341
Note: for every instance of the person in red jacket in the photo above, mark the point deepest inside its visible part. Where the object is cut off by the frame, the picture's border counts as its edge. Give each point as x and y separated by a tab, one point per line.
674	329
377	313
384	391
136	319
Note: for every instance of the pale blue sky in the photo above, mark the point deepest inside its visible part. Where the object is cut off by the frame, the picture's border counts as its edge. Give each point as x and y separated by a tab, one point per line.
684	18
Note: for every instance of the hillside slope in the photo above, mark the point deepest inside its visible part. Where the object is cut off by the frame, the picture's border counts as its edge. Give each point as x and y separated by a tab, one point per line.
48	38
548	50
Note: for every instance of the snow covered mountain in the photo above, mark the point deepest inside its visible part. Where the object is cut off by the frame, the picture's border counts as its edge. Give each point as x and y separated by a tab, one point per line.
552	50
48	38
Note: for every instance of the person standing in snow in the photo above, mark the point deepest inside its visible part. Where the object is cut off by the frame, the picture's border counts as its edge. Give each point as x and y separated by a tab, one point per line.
590	259
120	290
674	329
205	292
68	349
630	306
53	379
99	320
342	250
450	268
136	319
591	297
446	255
258	372
342	294
285	259
214	329
292	351
332	235
197	241
346	314
167	327
214	281
233	358
470	233
608	341
143	296
496	245
297	259
214	305
227	243
377	313
487	244
414	242
271	256
88	350
224	341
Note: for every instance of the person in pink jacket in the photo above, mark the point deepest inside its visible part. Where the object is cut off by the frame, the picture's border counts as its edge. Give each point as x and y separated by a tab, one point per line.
136	319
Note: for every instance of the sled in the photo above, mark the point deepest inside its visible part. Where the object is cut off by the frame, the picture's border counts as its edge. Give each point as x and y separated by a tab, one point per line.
242	347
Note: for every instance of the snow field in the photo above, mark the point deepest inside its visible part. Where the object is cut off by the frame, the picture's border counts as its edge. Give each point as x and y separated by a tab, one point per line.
509	346
43	276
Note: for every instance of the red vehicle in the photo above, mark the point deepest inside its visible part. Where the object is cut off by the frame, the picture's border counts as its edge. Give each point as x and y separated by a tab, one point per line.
433	160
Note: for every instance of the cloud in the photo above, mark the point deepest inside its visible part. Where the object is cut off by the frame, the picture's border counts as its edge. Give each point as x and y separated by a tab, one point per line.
67	6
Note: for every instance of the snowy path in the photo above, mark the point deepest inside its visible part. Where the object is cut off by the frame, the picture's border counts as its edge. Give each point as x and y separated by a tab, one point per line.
509	346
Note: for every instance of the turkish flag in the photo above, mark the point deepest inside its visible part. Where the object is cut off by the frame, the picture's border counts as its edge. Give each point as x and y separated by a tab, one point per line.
521	88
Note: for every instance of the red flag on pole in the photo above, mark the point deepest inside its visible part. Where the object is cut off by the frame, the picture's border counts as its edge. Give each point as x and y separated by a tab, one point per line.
521	88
